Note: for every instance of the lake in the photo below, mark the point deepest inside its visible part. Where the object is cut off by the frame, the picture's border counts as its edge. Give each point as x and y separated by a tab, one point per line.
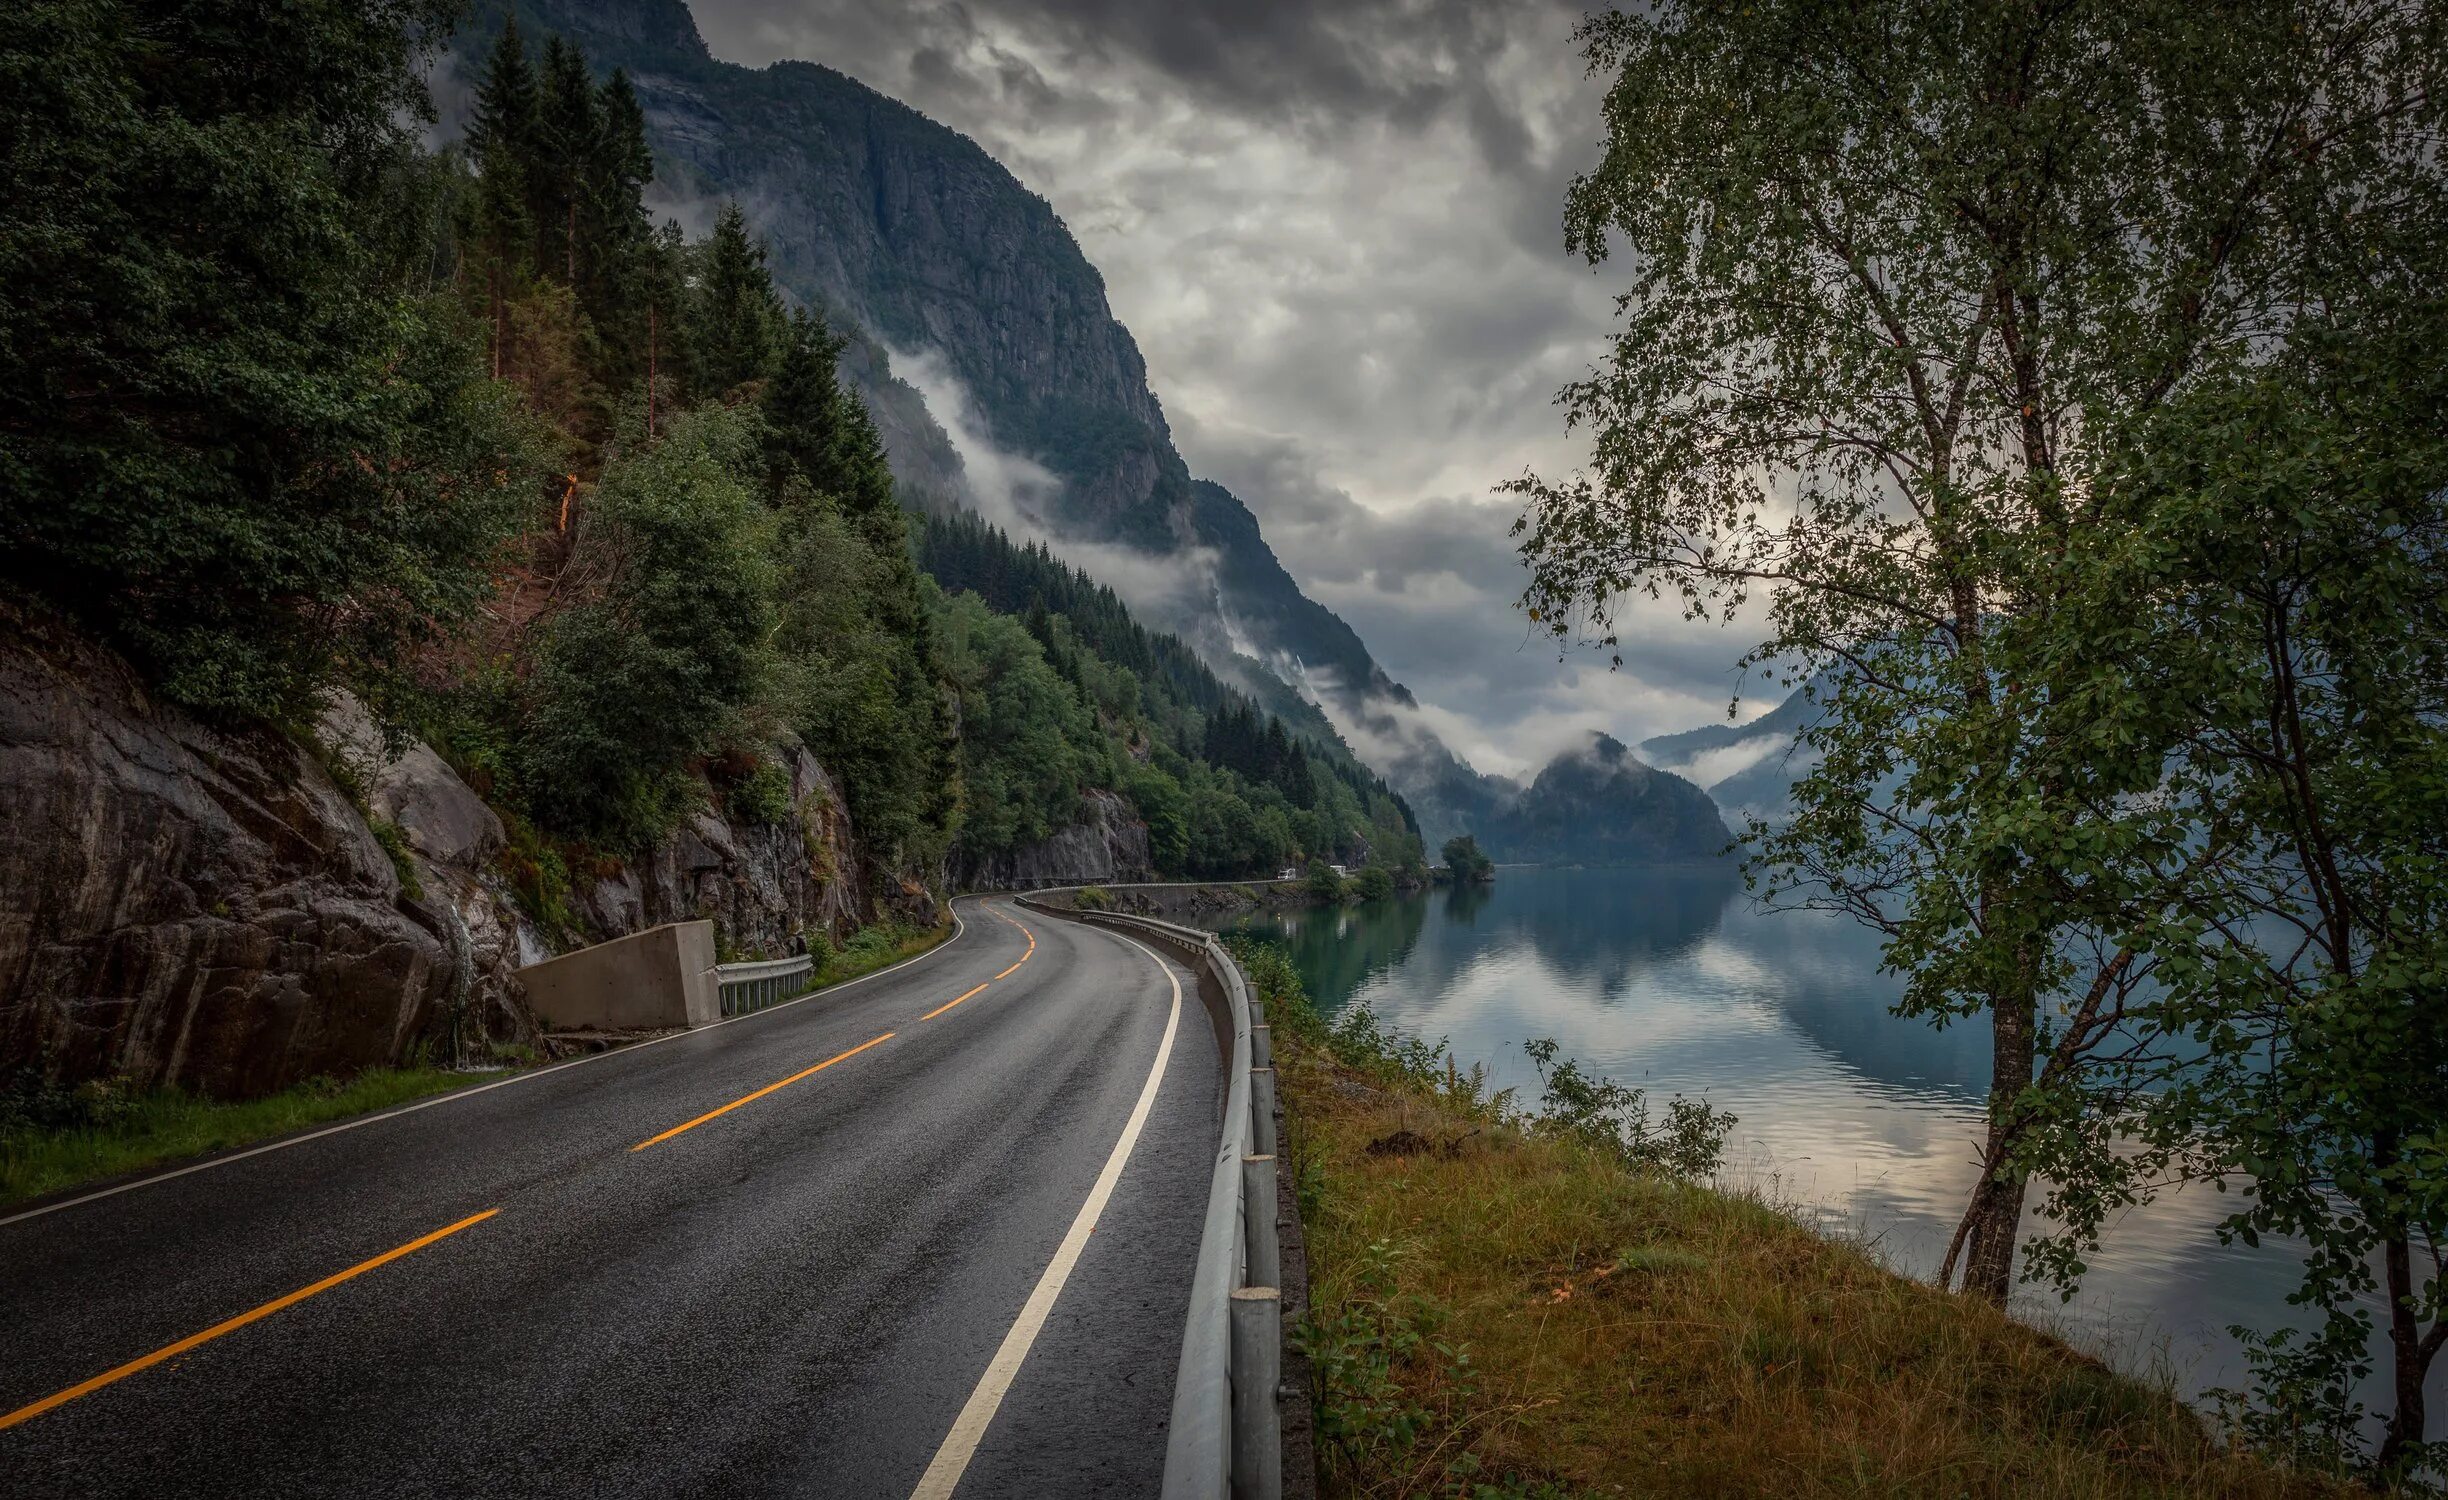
1866	1123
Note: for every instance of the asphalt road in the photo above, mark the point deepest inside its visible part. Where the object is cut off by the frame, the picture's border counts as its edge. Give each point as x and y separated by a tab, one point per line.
799	1295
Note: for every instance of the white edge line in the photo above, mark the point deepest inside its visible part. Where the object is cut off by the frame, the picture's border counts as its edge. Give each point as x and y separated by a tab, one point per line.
959	928
943	1475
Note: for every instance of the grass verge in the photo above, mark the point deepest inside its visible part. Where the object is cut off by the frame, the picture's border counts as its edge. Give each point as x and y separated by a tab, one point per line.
53	1140
1500	1310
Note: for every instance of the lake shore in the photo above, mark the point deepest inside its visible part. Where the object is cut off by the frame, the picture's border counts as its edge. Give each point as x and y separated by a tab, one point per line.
1494	1305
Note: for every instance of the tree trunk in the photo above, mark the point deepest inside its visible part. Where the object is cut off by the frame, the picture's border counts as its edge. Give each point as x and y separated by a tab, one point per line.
2410	1355
1995	1217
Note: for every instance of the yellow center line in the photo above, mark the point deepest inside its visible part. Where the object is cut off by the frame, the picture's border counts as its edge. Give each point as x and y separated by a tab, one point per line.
759	1094
172	1351
940	1009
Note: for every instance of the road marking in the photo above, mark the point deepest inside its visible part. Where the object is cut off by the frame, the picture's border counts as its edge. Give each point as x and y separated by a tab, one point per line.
943	1475
947	1005
172	1351
959	929
1024	932
712	1114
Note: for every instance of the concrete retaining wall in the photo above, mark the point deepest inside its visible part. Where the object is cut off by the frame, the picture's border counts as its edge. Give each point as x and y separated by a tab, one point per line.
662	977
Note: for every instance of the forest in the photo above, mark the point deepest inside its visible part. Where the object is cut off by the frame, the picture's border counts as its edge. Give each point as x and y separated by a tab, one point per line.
304	404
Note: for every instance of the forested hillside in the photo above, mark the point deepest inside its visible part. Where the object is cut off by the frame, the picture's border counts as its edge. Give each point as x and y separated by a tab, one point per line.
912	232
580	501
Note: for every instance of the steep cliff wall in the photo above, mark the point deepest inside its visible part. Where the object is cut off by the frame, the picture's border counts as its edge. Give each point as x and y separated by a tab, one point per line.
213	907
188	904
1108	843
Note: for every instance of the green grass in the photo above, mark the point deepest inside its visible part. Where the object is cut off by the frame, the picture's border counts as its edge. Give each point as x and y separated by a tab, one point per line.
873	948
98	1133
1500	1311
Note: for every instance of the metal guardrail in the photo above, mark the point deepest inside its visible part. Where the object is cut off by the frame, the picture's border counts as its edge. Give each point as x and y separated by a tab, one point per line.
762	982
1226	1434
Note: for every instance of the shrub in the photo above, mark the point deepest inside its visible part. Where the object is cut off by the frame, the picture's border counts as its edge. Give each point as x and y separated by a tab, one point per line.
1092	898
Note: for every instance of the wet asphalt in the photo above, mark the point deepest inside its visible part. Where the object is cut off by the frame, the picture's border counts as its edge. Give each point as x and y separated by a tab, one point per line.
793	1298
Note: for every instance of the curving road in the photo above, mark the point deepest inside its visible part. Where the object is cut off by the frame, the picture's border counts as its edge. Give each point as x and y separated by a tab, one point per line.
931	1232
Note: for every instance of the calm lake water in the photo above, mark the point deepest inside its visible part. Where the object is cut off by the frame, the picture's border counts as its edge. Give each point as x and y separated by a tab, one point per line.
1678	982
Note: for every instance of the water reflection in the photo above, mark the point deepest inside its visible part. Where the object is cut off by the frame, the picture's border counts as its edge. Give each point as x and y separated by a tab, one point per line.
1864	1122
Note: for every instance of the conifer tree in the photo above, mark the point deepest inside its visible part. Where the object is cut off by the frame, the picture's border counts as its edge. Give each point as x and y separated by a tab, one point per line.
568	150
501	227
733	314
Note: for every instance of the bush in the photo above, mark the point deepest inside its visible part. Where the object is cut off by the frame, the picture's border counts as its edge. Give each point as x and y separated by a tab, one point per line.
635	682
1323	882
1613	1119
1092	898
1375	883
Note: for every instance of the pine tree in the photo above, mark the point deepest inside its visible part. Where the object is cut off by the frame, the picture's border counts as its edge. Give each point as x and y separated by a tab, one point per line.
500	227
734	314
621	276
568	147
803	409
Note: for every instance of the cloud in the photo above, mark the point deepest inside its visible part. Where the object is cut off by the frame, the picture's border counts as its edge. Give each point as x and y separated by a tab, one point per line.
1335	233
1015	492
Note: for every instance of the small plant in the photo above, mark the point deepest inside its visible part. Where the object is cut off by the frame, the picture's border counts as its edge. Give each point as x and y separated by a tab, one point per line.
394	841
1092	898
1613	1119
1375	1352
762	796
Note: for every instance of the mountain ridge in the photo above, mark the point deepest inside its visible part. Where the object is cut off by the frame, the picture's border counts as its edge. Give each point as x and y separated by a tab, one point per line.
915	235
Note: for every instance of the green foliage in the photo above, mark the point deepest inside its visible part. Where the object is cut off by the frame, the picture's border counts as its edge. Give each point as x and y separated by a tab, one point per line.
1323	883
763	795
632	684
237	436
1465	863
1613	1119
1374	883
734	320
1373	1406
1092	898
394	843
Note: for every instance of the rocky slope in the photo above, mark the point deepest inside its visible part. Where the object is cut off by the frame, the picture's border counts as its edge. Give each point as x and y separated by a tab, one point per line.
1108	843
232	910
913	234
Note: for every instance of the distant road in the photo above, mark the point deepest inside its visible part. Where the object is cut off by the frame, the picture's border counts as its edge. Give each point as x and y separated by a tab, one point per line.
837	1248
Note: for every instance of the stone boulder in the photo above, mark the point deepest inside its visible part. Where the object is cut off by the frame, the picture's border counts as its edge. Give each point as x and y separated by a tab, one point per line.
186	903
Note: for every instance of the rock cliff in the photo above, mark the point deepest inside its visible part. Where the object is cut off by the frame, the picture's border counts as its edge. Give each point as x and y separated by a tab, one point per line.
188	904
232	910
1109	843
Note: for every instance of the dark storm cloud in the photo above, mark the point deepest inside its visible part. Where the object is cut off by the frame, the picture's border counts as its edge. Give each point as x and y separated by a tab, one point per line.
1335	232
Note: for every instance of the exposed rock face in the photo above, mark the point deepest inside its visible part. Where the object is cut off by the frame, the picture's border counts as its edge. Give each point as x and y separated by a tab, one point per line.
452	838
1108	843
764	886
186	904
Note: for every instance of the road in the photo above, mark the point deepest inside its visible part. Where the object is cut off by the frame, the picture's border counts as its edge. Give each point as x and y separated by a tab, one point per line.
841	1247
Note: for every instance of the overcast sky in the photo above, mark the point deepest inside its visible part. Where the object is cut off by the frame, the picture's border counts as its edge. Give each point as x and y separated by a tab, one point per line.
1333	230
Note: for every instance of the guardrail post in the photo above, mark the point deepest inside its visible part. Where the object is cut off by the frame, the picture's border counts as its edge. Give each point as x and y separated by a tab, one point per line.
1259	1251
1262	1046
1262	1111
1257	1369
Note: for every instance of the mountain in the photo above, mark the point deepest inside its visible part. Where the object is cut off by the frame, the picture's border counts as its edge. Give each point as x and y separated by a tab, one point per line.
1601	805
918	240
1749	769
